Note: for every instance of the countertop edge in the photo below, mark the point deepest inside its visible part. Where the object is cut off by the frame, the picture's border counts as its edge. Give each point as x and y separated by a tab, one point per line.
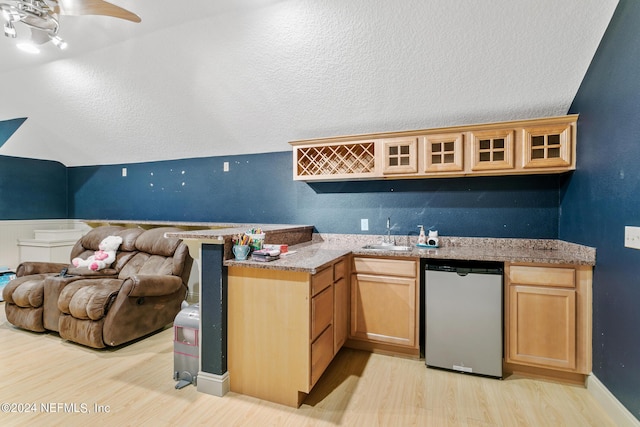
313	256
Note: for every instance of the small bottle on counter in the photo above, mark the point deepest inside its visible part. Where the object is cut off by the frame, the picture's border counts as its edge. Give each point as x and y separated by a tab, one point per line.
422	238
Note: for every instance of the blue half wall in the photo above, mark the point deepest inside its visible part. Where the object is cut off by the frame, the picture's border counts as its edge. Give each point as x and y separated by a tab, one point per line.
32	189
260	188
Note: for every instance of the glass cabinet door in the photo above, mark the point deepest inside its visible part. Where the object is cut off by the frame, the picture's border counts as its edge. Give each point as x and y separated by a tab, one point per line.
546	146
491	150
443	153
400	155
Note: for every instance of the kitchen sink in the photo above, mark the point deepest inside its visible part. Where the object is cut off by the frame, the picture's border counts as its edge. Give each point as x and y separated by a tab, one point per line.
388	247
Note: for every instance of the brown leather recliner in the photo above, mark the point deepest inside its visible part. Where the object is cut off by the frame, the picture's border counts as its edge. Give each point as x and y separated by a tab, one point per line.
31	298
145	296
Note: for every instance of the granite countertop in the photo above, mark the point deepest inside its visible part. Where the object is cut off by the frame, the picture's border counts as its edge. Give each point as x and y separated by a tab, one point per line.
220	231
204	230
325	248
307	257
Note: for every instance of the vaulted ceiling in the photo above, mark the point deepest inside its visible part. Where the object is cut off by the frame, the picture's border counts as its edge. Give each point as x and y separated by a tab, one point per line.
224	77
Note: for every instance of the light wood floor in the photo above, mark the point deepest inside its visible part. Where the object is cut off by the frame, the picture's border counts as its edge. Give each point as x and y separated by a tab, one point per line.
135	384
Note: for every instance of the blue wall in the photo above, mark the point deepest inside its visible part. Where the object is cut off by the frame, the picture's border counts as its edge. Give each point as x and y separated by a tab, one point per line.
8	127
32	189
260	188
603	196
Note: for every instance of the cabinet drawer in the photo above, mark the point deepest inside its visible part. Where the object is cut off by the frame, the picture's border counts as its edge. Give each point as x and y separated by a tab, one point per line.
321	354
386	267
542	276
321	280
339	269
321	312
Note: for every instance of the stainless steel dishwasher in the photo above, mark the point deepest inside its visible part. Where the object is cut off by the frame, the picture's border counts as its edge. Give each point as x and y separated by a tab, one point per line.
463	316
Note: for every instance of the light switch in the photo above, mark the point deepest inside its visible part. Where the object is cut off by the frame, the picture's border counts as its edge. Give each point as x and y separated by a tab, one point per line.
632	237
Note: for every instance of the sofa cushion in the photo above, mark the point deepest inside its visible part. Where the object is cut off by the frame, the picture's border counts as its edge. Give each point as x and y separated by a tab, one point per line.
143	263
85	332
129	237
88	299
26	318
91	240
27	291
153	241
89	243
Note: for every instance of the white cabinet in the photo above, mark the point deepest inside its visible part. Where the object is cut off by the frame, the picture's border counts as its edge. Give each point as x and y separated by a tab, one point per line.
49	245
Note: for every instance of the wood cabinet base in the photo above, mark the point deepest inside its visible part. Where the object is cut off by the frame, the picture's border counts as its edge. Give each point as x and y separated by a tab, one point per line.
384	315
381	348
545	374
284	329
548	320
268	335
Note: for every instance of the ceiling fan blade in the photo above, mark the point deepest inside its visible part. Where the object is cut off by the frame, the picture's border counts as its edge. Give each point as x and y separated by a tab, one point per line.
96	7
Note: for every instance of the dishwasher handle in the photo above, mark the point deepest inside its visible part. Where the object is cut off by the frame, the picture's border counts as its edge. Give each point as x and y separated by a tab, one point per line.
464	270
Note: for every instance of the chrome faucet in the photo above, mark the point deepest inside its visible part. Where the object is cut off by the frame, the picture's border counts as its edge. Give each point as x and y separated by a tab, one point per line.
388	239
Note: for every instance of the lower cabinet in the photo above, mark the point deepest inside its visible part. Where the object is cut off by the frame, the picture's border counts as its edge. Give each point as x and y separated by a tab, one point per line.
548	317
341	304
284	328
384	309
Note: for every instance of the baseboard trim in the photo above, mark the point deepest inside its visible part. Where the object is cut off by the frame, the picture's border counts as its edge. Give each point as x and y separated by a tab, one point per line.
216	385
620	415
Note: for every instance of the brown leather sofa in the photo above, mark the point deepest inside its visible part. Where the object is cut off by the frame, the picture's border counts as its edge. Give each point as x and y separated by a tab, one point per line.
24	296
141	293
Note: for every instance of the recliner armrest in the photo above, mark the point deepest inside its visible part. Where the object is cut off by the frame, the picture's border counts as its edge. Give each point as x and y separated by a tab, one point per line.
151	285
28	268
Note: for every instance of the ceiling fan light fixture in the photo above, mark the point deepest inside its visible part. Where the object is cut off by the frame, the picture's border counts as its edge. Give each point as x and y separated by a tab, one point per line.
10	30
42	17
9	13
59	42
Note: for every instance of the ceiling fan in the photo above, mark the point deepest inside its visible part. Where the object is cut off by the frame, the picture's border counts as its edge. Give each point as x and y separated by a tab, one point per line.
42	16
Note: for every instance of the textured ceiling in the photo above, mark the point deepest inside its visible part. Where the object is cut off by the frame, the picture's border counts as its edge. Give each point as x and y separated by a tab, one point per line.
237	77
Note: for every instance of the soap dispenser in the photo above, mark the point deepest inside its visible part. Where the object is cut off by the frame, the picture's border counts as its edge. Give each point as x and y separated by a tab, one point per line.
422	238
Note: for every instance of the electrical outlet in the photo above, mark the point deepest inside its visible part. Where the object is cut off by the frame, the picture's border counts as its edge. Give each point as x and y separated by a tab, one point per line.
632	237
124	171
364	224
225	166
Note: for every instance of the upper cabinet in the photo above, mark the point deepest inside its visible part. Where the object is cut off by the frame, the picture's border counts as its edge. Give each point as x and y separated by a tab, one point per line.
443	152
492	150
548	146
533	146
400	155
335	161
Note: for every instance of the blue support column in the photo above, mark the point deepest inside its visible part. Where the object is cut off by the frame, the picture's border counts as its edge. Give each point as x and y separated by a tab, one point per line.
213	378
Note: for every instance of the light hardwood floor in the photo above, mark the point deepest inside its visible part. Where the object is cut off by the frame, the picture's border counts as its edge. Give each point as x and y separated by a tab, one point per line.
135	384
